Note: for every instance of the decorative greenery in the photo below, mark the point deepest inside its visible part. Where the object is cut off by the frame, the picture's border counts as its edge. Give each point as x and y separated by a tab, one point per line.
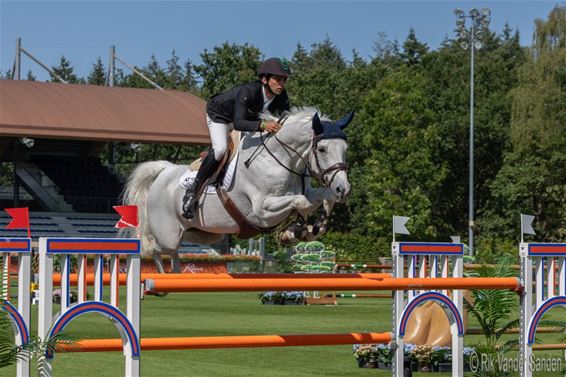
10	353
312	257
282	298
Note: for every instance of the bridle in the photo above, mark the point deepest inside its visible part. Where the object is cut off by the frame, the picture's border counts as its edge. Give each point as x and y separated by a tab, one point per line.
320	175
248	229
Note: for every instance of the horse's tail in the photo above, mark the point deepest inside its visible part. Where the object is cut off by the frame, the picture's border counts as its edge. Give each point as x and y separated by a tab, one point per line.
136	193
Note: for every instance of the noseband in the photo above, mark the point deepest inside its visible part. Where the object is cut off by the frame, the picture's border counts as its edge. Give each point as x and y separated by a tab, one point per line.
321	175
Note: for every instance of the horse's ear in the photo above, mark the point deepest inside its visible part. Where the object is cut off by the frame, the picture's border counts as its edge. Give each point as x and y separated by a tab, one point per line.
342	123
317	125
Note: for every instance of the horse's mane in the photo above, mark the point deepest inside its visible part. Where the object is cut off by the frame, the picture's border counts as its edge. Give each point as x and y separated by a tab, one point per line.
296	114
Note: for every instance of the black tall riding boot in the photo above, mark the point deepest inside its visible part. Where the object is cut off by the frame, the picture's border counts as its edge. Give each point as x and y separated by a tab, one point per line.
206	170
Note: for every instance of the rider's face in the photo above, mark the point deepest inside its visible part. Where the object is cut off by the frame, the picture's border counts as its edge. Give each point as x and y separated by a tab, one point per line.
276	83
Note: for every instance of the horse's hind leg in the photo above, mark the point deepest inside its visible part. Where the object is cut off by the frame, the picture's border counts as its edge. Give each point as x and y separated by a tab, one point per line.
161	269
175	263
158	262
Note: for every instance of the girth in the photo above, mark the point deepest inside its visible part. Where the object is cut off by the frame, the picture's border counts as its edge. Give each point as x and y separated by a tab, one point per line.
247	229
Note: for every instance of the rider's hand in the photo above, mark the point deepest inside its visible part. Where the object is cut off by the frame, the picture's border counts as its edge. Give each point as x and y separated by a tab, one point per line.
272	127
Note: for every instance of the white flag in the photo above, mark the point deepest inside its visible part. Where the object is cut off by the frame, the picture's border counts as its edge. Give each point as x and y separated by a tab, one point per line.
527	224
399	224
455	239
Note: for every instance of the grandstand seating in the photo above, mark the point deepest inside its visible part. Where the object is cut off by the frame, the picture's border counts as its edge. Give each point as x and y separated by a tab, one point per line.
83	181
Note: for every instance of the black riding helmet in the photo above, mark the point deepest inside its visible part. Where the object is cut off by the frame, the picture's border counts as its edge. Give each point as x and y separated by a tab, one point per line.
274	66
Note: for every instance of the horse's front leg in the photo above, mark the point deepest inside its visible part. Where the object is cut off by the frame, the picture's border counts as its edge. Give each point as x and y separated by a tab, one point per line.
318	196
275	208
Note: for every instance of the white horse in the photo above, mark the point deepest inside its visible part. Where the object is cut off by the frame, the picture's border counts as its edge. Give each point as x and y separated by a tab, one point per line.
270	184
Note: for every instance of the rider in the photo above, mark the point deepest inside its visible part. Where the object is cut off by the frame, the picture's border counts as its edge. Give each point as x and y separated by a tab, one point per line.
239	109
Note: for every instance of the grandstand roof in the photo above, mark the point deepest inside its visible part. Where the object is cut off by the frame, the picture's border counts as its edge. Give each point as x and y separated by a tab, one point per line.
91	112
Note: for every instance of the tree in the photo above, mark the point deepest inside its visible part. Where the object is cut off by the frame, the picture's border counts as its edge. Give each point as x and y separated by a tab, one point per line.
413	50
30	76
66	71
227	66
316	76
153	71
189	79
7	75
385	50
532	179
174	72
400	176
97	75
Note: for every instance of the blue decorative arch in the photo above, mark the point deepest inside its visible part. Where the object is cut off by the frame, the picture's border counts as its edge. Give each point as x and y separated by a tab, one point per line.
443	300
546	306
121	322
18	322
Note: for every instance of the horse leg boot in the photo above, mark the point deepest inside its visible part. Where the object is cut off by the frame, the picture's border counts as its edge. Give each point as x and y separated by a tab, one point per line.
206	170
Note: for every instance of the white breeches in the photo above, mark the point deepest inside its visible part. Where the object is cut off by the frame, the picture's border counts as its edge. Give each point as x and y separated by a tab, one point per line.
219	135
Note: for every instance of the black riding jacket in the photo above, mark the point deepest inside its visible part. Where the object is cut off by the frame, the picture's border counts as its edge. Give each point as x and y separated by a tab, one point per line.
242	106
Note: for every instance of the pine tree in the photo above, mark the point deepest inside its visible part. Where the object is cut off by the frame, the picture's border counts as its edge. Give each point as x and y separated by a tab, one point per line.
301	60
189	78
30	76
174	72
97	75
413	50
65	71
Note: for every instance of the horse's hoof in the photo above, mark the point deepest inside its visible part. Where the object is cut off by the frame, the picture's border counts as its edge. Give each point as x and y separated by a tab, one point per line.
298	231
154	293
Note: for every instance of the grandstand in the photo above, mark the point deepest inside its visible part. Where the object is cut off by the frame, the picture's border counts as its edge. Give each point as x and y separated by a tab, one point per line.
51	135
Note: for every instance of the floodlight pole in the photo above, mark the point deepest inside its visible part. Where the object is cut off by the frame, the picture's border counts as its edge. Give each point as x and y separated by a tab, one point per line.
471	170
483	18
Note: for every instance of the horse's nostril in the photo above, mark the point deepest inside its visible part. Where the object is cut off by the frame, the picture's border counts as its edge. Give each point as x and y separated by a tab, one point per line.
338	189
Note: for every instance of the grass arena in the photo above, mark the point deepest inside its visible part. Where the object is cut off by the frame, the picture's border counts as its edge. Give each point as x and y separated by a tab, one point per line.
214	325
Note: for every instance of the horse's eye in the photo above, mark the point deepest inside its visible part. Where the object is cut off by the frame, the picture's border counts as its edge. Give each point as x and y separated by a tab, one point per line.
321	149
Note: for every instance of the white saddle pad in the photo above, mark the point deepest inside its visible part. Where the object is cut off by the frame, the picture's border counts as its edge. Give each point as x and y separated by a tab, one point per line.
189	176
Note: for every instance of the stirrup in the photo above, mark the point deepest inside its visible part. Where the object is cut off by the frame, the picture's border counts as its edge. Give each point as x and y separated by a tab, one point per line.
189	206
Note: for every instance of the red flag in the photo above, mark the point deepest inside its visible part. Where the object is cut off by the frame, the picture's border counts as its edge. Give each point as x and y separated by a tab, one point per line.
129	217
20	218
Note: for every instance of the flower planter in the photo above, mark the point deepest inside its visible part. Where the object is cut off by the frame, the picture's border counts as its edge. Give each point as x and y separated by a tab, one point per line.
442	367
435	359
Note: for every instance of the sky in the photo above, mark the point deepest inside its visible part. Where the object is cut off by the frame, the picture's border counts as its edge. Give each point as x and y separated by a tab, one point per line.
82	31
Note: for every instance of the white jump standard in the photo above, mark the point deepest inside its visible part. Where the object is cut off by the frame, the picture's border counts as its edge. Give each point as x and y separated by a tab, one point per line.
128	325
21	316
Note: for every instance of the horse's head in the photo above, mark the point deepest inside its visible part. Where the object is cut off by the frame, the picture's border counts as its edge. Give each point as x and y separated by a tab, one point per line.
328	157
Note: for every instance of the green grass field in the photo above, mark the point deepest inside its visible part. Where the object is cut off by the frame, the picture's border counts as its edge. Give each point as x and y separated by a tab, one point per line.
210	314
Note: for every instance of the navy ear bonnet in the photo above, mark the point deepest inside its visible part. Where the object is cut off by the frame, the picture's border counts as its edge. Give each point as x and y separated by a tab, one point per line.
331	130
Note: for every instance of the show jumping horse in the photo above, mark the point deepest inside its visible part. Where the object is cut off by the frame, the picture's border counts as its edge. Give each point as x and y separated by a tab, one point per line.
269	185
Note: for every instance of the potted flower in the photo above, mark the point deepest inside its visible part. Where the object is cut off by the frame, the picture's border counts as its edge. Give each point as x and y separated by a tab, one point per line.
384	356
423	356
73	296
441	359
365	356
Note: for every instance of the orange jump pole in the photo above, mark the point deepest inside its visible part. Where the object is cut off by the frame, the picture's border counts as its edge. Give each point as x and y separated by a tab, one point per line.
145	276
328	284
249	341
